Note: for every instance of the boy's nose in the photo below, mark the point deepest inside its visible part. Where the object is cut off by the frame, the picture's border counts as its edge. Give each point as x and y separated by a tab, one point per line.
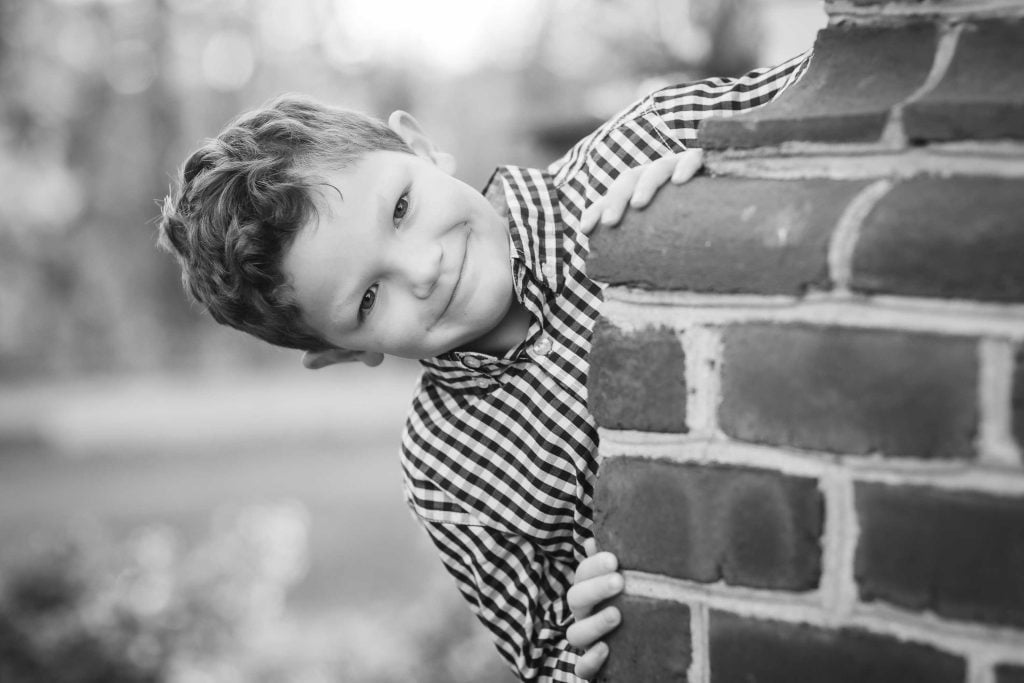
420	266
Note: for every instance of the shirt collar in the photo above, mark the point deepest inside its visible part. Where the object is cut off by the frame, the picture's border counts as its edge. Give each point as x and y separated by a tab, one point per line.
527	197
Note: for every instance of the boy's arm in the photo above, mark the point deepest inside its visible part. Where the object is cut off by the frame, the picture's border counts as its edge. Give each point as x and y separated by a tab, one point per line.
598	175
683	107
517	592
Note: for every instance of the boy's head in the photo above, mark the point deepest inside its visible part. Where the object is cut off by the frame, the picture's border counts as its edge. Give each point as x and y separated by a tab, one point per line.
320	229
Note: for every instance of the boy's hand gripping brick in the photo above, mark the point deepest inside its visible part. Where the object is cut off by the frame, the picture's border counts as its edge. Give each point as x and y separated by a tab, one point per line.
637	186
596	580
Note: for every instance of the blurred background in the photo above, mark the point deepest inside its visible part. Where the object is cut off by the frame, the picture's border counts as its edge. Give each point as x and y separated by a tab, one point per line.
179	502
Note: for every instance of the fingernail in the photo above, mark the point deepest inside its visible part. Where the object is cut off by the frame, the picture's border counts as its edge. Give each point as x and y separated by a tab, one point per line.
608	216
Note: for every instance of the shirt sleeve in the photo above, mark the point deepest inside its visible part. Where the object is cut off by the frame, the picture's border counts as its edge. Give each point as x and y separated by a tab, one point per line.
683	107
662	123
517	592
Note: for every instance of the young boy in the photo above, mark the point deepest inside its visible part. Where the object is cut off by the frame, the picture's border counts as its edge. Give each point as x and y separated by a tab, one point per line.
327	231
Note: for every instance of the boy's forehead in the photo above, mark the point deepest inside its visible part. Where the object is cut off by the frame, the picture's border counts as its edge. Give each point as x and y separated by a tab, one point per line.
341	189
364	177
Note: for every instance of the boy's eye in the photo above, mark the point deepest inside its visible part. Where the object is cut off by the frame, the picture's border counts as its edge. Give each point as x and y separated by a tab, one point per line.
368	300
401	207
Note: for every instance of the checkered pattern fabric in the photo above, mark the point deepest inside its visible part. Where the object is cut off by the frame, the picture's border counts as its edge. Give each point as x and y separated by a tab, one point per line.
499	454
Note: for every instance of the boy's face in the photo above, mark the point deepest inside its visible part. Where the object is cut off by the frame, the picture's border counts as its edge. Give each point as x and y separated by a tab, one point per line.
404	259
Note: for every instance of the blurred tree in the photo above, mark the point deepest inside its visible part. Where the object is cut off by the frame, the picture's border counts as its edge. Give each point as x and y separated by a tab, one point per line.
592	58
7	19
84	610
90	130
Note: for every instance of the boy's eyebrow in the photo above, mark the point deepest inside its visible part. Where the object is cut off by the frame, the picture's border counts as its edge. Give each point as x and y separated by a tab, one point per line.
323	207
335	188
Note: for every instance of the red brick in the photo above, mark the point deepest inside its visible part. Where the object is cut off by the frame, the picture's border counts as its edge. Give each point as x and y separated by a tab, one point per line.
1017	400
856	76
1007	673
850	391
743	650
726	235
981	96
743	526
651	644
959	554
955	238
637	379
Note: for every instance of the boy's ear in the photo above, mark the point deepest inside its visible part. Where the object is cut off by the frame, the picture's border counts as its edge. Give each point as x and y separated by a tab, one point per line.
408	128
314	360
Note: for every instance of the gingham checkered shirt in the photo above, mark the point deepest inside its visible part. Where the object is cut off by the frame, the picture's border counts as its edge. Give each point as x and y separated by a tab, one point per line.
500	454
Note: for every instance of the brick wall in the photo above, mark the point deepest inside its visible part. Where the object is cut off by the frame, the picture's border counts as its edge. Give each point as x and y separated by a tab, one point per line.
809	373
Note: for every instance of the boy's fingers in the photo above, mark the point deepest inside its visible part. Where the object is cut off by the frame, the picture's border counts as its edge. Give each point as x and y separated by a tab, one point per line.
589	218
582	596
597	564
687	164
612	213
591	661
651	179
608	209
619	194
586	631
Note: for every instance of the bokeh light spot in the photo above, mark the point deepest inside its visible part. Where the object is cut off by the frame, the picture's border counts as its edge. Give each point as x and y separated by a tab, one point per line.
228	61
131	68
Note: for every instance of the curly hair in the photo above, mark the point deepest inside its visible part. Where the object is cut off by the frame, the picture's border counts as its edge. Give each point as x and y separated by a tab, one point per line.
244	196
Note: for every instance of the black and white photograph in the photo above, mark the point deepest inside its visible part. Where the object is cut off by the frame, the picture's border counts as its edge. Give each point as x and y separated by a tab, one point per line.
555	341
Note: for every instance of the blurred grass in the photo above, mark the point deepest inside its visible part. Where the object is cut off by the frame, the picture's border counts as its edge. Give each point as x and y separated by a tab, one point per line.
109	456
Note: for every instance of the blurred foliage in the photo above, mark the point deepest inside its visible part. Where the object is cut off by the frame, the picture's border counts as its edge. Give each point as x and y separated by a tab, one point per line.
437	643
84	611
150	610
100	101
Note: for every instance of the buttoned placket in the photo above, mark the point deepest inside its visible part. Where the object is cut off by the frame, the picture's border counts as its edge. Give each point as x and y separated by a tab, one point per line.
542	347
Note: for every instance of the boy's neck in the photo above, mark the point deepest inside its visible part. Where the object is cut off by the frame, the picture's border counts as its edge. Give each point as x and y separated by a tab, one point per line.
512	329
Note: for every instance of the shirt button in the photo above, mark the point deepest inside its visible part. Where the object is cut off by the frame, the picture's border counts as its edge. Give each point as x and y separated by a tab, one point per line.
481	383
542	346
549	271
472	362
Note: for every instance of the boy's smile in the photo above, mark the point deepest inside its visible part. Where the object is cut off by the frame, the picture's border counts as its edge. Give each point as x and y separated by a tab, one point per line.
405	259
